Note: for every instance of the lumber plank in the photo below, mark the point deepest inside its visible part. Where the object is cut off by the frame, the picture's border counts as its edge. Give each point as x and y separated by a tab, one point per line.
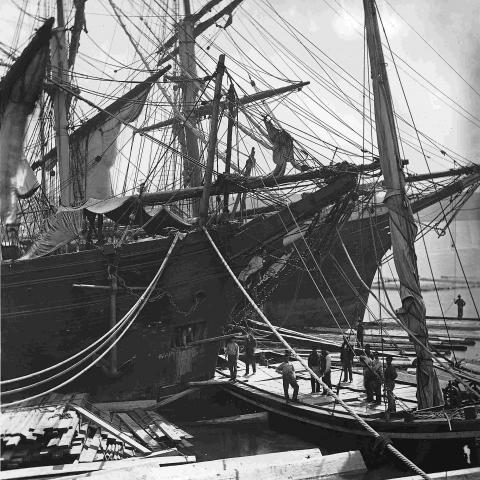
90	448
125	406
110	428
169	431
137	430
172	398
234	419
147	423
463	474
79	468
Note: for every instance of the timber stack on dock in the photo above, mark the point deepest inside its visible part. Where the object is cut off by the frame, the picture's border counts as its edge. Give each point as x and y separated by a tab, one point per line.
66	433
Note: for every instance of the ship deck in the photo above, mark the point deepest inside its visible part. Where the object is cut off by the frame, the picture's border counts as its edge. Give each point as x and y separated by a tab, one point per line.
264	390
266	381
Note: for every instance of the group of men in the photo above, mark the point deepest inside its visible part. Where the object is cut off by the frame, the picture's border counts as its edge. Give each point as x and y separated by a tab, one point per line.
232	353
374	376
373	373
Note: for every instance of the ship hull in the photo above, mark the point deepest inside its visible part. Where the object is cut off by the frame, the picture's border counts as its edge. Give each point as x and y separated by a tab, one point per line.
50	310
297	302
46	318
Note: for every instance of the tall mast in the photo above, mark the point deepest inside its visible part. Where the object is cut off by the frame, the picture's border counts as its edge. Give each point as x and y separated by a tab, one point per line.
212	142
402	225
60	76
189	97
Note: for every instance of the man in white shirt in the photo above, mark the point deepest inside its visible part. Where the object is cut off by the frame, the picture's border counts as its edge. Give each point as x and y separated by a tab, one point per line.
289	379
231	354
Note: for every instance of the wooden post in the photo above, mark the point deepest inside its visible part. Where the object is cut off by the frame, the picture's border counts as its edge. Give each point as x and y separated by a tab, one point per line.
231	121
60	75
113	322
212	143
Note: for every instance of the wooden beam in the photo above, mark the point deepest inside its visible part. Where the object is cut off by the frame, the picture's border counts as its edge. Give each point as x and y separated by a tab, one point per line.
172	398
78	468
299	464
124	406
110	428
247	184
248	417
207	109
464	474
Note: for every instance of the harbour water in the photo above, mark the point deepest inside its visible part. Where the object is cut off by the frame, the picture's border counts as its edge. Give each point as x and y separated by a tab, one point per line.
255	437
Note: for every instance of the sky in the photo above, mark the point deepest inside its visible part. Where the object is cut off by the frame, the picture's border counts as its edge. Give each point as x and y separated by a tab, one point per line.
443	104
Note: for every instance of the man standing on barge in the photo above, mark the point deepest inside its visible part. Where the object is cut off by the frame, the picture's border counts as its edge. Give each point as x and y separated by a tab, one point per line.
289	379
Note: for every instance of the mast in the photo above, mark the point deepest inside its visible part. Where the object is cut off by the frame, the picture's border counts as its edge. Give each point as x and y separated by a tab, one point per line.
60	76
402	225
212	143
231	121
191	166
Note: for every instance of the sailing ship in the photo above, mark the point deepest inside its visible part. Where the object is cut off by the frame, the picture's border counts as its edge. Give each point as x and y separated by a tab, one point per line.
74	291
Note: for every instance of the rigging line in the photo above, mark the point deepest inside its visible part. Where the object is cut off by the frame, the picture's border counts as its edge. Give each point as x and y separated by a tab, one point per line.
346	97
354	414
146	295
432	48
106	335
436	291
432	351
377	320
393	55
428	166
319	270
323	53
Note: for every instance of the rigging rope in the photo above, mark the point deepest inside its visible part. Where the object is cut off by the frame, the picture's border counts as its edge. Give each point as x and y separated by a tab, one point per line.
134	310
360	420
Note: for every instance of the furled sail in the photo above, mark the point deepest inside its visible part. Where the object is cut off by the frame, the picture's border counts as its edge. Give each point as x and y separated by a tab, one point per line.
19	90
93	146
402	225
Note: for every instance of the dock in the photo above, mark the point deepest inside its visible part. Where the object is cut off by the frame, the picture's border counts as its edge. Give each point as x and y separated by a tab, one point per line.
66	434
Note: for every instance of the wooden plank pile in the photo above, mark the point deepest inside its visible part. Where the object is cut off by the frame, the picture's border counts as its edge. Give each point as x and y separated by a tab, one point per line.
62	429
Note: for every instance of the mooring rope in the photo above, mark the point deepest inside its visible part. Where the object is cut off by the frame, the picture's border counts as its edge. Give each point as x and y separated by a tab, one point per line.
354	414
140	304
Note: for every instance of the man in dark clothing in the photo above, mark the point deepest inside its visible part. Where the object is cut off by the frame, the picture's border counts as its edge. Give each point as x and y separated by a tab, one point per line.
289	379
326	370
250	346
460	303
377	378
314	364
367	363
346	358
360	330
390	375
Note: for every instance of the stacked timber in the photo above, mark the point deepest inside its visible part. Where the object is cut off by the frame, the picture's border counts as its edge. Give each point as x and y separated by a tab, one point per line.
63	429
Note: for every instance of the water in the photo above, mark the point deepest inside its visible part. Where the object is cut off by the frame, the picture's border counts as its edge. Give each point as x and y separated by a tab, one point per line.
256	437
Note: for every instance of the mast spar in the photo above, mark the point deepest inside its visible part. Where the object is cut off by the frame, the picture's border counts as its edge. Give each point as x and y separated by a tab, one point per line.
402	225
60	76
192	171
